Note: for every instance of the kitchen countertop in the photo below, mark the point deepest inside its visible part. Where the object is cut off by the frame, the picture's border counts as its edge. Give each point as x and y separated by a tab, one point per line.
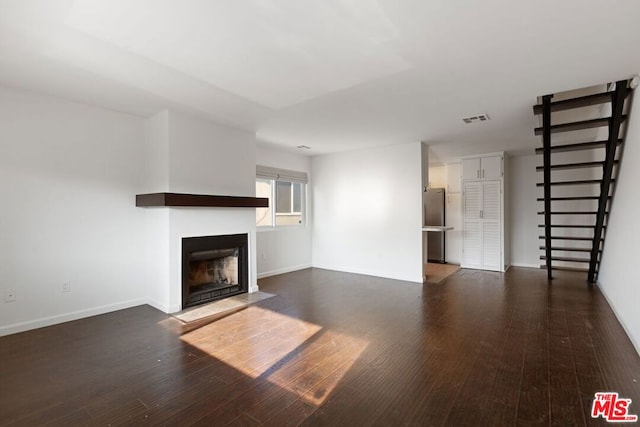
439	228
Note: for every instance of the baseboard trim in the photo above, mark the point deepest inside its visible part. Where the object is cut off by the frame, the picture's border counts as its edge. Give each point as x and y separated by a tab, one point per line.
620	319
157	305
282	271
67	317
368	273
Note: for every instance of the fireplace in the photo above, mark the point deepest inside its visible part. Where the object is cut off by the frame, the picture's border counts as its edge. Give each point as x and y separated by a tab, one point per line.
213	267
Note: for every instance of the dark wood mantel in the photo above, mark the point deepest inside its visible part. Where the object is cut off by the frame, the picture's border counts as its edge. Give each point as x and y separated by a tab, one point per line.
199	200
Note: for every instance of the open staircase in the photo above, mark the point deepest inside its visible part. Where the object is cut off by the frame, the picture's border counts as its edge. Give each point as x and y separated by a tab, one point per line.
582	145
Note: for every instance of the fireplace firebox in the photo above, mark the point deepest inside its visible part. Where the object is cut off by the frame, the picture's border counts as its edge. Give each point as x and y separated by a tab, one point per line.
213	267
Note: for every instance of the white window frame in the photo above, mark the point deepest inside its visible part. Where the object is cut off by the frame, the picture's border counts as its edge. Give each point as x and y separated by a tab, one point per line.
274	175
292	212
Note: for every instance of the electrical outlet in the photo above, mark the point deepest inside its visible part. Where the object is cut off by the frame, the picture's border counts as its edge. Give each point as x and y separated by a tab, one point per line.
66	286
10	295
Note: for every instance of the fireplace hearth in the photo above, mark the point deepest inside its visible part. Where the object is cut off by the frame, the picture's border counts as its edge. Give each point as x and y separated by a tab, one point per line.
213	267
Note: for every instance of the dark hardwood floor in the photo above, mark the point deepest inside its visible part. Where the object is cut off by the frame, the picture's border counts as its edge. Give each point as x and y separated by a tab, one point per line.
332	348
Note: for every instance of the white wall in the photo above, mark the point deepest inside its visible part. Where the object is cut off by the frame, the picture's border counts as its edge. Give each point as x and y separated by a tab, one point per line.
506	184
69	174
203	158
367	212
619	272
280	250
68	178
208	158
437	176
425	173
524	243
157	220
453	238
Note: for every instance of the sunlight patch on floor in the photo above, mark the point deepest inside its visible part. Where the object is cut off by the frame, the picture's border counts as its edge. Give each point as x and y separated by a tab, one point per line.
318	369
296	355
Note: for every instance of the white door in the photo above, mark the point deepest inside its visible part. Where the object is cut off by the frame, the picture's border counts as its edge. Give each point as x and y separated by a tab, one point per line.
471	169
472	231
491	230
491	167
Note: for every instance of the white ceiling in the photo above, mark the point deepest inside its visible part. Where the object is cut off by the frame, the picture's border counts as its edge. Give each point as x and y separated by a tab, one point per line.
331	74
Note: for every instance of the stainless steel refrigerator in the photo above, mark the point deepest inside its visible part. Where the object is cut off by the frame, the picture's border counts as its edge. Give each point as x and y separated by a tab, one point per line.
434	205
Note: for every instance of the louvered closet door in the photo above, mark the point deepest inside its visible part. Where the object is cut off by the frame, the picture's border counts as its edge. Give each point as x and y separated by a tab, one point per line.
472	231
491	230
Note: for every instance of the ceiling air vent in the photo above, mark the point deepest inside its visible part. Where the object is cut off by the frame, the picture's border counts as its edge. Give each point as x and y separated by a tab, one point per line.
476	119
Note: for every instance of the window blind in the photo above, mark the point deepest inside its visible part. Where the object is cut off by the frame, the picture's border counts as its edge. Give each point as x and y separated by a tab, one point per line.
267	172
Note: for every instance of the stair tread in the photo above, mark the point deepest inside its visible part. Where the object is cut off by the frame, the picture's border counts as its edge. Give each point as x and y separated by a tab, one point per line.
574	165
579	125
559	199
579	102
581	270
567	249
566	259
578	146
579	253
571	213
577	182
570	226
570	238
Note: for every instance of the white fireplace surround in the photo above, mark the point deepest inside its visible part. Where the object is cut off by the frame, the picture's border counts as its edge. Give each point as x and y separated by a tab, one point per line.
189	155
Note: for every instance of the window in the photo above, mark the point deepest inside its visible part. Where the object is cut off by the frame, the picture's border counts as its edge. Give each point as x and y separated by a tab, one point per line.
288	203
288	208
286	193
